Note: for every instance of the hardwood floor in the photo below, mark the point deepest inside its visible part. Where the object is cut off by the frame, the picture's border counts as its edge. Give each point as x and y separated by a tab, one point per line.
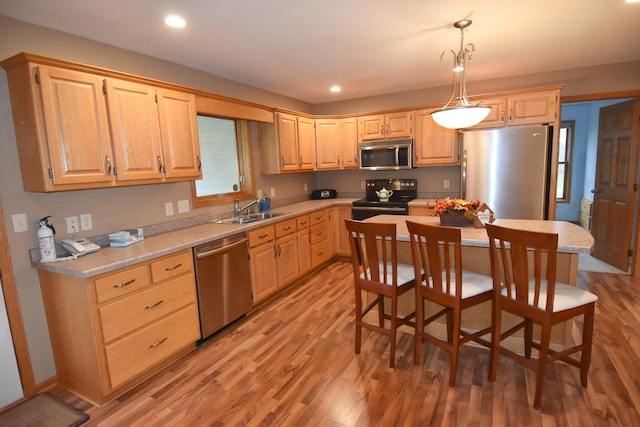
293	364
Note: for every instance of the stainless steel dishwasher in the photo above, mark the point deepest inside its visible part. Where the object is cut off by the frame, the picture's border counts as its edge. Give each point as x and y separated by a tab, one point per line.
223	281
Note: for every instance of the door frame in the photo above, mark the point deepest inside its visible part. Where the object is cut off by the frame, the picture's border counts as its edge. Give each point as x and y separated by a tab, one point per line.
635	259
14	314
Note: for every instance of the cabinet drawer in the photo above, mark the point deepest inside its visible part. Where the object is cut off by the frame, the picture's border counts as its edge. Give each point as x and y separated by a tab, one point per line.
172	266
122	283
285	227
139	351
302	221
124	316
318	233
317	217
261	235
319	253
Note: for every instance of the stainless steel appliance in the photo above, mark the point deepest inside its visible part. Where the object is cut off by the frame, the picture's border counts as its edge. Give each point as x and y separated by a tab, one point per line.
508	170
223	281
386	155
404	190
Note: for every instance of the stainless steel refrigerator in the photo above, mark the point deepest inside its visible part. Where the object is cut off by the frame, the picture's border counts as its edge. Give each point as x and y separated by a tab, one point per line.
507	168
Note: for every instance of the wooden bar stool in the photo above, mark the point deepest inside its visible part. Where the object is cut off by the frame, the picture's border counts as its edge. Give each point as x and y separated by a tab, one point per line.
376	270
523	265
437	262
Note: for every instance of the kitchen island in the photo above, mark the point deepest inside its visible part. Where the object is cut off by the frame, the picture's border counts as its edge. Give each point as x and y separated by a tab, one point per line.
572	241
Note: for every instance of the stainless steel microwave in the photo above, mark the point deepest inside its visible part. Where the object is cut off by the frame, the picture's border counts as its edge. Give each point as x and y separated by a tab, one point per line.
386	155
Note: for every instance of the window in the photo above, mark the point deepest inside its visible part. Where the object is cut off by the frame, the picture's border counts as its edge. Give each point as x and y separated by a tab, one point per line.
224	150
565	145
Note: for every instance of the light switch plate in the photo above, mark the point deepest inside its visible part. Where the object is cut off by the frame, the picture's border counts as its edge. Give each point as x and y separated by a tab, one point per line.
168	209
86	222
19	223
183	206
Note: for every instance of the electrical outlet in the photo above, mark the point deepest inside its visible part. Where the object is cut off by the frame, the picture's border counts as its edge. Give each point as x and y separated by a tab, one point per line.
363	185
183	206
445	183
168	209
305	187
72	224
86	223
273	192
259	194
19	222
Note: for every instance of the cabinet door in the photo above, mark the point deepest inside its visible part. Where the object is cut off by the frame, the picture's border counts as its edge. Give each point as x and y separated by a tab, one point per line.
349	143
371	127
75	119
497	115
533	108
304	251
264	273
398	125
135	130
287	249
341	239
433	144
327	140
287	130
180	144
306	144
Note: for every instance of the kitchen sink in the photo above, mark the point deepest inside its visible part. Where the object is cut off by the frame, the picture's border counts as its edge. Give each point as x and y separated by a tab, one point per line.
246	219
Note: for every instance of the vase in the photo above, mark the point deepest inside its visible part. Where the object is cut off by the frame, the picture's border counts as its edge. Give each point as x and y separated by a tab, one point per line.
265	205
456	219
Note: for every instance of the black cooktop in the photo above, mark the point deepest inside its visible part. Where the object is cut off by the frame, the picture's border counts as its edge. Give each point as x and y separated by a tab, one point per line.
404	190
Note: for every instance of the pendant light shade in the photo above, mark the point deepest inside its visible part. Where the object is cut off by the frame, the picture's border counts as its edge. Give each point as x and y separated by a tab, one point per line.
463	114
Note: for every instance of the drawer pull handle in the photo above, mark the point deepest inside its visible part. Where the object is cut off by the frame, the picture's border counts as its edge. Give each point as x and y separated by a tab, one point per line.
303	222
319	234
157	343
262	236
175	267
287	228
122	285
154	305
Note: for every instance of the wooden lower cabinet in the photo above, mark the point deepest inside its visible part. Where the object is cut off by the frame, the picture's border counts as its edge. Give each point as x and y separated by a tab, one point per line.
114	330
339	234
319	230
304	244
262	256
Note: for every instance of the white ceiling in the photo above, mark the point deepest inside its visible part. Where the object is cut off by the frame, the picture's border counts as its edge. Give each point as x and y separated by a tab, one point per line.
300	48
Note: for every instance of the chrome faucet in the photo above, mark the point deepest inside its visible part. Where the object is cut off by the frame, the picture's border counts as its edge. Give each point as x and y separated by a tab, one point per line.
237	209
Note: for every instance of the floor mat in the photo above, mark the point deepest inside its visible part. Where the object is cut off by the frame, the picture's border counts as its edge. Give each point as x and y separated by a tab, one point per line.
43	410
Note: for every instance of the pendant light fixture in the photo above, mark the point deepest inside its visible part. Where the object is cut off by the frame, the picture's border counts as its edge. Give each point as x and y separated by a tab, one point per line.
463	114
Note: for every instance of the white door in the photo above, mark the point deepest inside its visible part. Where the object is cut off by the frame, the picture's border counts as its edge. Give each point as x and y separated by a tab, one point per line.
10	386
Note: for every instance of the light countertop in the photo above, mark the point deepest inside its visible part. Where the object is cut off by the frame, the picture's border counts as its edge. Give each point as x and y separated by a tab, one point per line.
571	237
109	259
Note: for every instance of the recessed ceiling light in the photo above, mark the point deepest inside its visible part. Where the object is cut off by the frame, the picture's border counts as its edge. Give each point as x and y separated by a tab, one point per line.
175	21
335	89
632	1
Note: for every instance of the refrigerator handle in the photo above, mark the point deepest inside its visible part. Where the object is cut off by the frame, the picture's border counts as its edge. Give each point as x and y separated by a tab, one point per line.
463	177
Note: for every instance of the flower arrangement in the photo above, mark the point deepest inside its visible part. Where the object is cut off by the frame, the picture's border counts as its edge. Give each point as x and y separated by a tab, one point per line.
451	206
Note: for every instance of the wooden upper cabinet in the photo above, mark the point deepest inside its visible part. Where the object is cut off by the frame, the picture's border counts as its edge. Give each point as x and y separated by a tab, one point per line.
336	144
76	129
81	127
306	144
135	130
289	145
533	108
433	144
525	108
385	126
179	126
349	143
327	144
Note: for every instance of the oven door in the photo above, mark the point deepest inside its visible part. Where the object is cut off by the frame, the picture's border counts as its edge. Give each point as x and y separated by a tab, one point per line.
363	212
